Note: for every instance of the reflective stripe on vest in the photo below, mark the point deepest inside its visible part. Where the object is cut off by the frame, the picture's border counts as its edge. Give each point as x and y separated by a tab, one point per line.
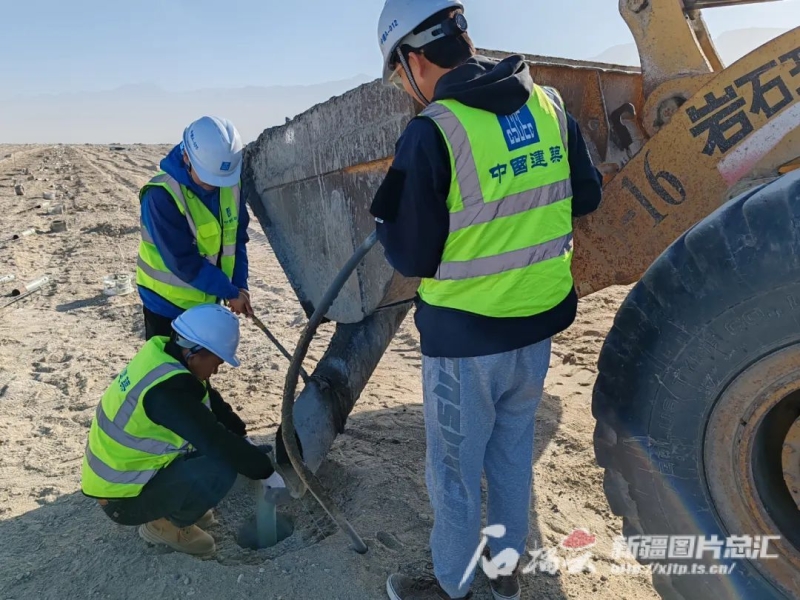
146	237
177	192
125	449
215	238
114	476
167	278
516	259
116	429
561	112
509	209
229	250
476	211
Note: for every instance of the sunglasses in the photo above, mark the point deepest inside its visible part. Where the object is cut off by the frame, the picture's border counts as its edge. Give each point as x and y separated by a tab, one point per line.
395	79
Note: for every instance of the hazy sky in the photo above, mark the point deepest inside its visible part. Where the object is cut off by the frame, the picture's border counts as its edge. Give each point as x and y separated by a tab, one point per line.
50	46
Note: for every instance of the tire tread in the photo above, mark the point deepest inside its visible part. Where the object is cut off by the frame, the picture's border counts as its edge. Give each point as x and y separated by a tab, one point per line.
729	250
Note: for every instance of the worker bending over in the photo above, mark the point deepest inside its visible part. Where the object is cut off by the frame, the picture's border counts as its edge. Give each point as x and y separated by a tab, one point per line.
163	451
479	203
194	228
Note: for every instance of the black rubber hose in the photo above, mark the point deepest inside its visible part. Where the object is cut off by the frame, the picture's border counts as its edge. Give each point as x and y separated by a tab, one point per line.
287	416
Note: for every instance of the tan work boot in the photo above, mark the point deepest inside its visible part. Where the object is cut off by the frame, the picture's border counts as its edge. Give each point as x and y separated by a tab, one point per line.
207	520
190	540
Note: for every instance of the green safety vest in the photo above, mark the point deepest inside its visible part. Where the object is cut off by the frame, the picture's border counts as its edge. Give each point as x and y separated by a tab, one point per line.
125	448
216	242
509	249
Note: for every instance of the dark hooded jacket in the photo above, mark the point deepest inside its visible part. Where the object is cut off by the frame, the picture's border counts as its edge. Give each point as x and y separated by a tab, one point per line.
412	202
177	404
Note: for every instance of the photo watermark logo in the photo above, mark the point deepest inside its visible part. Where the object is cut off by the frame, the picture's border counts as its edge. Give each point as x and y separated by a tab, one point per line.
668	554
544	560
684	551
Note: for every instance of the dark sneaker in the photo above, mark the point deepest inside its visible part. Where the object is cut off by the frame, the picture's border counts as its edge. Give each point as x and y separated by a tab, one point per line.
504	588
402	587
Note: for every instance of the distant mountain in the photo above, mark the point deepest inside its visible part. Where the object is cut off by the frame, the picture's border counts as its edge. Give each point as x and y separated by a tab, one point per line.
731	45
624	54
148	114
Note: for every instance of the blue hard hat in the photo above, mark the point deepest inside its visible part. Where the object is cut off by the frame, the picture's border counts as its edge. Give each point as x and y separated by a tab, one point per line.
212	327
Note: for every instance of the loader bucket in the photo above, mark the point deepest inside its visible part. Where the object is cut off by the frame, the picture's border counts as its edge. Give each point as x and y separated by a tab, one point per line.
310	184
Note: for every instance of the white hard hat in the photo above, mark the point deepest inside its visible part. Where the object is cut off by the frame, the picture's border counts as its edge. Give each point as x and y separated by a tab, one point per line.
214	147
211	327
398	21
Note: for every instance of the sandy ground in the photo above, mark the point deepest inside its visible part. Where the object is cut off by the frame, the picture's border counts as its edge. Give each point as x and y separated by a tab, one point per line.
60	348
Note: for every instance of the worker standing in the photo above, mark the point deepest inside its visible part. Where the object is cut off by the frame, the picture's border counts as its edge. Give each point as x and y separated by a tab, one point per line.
194	228
164	450
478	204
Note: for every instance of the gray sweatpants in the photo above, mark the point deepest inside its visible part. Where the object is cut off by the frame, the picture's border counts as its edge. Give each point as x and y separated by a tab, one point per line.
480	415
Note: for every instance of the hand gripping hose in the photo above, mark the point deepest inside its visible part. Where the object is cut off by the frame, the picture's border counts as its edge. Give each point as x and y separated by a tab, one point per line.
287	416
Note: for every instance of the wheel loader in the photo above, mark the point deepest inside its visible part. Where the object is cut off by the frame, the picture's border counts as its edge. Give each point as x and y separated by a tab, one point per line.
697	401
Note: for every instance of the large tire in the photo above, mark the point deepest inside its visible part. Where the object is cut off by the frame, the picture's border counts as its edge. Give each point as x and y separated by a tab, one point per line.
721	299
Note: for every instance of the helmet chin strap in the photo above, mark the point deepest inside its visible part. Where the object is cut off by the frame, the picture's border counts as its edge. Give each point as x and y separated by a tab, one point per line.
410	75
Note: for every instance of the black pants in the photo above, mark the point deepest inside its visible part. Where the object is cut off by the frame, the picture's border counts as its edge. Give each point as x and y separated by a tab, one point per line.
181	493
156	324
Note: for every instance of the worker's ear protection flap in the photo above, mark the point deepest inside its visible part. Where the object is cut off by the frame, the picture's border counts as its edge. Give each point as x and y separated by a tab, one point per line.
386	203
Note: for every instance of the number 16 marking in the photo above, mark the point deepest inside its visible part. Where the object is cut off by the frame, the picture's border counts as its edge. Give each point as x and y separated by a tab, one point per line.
654	179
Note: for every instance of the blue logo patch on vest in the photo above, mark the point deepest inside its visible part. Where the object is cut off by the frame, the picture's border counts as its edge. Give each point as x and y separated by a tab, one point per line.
226	166
519	129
